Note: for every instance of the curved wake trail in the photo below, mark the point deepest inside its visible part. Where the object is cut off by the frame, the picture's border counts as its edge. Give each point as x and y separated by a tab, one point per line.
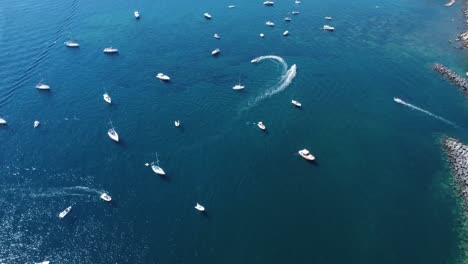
286	79
399	101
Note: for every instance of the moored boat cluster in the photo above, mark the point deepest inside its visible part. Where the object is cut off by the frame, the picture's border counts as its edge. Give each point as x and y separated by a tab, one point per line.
457	154
451	75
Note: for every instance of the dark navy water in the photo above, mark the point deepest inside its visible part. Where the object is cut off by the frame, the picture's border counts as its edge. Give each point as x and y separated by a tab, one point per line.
377	193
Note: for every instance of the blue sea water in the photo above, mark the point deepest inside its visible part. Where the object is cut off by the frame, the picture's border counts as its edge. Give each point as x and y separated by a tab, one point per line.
376	194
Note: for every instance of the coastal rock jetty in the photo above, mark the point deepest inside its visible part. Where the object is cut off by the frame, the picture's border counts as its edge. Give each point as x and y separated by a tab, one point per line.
458	157
451	75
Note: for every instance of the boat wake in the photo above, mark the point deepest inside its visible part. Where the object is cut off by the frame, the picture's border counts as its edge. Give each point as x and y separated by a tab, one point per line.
399	101
54	192
286	79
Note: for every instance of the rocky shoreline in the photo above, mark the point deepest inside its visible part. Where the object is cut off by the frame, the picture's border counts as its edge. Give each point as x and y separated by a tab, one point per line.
457	154
451	75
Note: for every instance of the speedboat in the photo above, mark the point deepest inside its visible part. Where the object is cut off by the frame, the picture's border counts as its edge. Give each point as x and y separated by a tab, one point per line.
110	50
262	35
270	24
163	77
42	262
287	19
215	52
306	154
398	100
286	33
65	212
105	197
107	98
199	207
261	125
177	123
136	14
113	134
157	169
256	60
231	6
328	18
42	86
238	87
207	16
296	103
297	2
36	124
329	28
71	44
2	121
268	3
295	12
216	36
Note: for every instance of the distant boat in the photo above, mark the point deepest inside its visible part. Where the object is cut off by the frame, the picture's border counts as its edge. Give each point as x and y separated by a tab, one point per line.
270	24
107	98
398	100
163	77
36	124
296	103
329	28
238	86
286	33
207	16
306	154
106	197
113	134
177	123
268	3
65	212
328	18
297	2
287	19
3	121
71	44
136	14
215	52
42	86
231	6
256	60
42	262
216	36
295	12
155	167
262	35
261	125
110	50
199	207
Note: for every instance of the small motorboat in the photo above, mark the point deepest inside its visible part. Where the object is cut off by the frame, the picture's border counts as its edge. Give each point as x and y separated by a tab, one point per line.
268	3
328	18
215	52
238	87
231	6
36	124
329	28
270	24
3	121
199	207
216	36
207	16
113	134
261	125
107	98
163	77
296	103
110	50
177	123
262	35
71	44
286	33
297	2
65	212
295	12
136	14
42	86
42	262
287	19
306	154
106	197
397	100
256	60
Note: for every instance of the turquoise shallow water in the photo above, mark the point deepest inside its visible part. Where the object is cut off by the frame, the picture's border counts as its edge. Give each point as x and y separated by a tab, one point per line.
372	196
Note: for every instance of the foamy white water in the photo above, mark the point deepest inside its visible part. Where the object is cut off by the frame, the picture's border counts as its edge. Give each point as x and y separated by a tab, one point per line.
399	101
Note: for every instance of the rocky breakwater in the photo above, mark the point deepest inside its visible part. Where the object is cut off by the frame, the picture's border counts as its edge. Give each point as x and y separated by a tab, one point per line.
451	75
458	157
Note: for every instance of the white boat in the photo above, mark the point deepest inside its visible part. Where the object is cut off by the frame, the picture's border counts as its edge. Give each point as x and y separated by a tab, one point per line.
398	100
329	28
113	134
106	197
2	121
42	262
268	3
107	98
328	18
297	2
261	125
216	36
295	12
256	60
163	77
177	123
207	16
155	167
71	44
110	50
231	6
262	35
136	14
306	154
42	86
215	52
36	124
296	103
270	24
199	207
287	19
286	33
238	87
65	212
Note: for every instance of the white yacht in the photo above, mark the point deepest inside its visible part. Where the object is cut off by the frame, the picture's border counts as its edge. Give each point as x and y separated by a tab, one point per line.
36	123
306	154
256	60
216	36
207	16
262	35
261	125
215	52
42	262
155	167
65	212
287	19
42	86
199	207
238	87
297	2
328	18
107	98
270	24
106	197
231	6
71	44
329	28
295	12
296	103
398	100
110	50
3	121
268	3
136	14
177	123
286	33
113	134
163	77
